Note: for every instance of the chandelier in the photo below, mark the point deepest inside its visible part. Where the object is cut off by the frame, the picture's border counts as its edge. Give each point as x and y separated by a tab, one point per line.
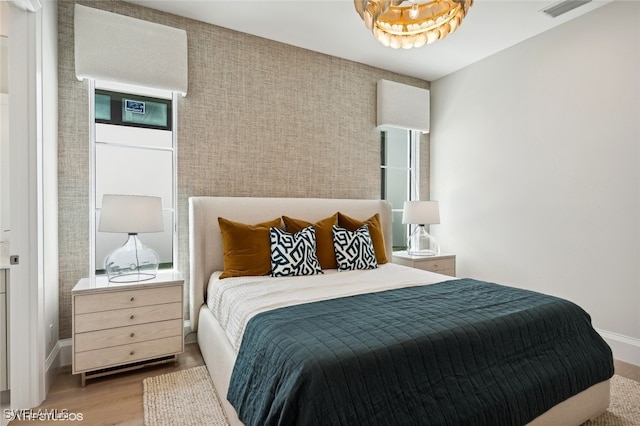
411	23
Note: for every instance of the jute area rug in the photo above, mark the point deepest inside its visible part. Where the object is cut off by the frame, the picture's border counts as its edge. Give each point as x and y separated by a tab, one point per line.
187	397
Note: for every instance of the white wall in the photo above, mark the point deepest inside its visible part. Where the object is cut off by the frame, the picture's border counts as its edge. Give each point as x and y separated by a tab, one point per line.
4	124
4	173
4	19
536	164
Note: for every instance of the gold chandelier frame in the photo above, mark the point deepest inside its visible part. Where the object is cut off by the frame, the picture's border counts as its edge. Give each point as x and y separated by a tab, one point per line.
411	23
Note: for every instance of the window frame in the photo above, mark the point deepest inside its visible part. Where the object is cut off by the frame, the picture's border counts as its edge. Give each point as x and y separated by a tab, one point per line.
413	170
170	98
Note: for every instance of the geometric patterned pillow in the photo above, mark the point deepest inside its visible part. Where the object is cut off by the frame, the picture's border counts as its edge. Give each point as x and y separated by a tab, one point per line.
354	249
375	230
294	254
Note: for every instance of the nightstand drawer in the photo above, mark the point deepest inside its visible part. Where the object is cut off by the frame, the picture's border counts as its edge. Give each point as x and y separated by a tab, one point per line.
438	265
108	301
104	358
125	317
127	335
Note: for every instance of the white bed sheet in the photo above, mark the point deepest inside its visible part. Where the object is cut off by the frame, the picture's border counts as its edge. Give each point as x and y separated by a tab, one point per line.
234	301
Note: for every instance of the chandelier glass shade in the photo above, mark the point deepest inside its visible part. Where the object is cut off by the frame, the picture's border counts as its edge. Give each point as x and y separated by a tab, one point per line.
411	23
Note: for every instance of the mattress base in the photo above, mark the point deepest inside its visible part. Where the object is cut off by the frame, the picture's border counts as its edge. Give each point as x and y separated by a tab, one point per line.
220	358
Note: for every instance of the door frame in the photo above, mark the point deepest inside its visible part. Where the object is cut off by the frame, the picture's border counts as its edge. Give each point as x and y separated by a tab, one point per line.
26	279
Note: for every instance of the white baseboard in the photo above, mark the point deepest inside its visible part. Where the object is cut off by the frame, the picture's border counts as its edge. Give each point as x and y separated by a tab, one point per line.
64	347
53	363
189	336
65	351
624	348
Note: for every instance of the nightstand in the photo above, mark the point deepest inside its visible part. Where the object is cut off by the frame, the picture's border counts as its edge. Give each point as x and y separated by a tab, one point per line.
444	264
123	326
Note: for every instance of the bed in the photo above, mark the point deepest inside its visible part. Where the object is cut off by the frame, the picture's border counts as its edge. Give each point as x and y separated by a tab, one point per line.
222	351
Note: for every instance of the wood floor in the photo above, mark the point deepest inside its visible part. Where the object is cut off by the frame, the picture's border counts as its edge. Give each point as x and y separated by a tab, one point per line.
629	371
109	400
117	399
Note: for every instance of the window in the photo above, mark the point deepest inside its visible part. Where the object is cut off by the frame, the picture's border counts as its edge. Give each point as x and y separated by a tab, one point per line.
399	176
123	109
134	154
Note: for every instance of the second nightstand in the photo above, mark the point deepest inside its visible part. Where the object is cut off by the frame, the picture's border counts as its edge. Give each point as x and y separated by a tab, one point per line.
444	264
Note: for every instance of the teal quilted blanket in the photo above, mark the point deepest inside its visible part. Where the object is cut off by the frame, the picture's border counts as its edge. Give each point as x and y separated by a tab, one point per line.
463	352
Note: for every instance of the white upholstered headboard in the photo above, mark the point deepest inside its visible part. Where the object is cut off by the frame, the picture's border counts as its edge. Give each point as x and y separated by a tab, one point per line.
205	241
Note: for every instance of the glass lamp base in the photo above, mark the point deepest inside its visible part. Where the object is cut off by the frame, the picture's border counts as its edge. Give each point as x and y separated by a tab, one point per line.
421	243
132	262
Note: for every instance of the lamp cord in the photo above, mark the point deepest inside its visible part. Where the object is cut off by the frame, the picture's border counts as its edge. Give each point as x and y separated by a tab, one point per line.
137	259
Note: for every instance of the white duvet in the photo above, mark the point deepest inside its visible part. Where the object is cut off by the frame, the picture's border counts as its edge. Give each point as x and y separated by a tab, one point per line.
234	301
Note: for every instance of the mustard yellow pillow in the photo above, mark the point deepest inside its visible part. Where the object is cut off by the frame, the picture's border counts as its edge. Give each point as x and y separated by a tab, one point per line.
324	237
246	248
375	230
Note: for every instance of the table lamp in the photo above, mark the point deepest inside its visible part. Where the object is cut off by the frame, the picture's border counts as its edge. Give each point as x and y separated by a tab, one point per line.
131	214
421	213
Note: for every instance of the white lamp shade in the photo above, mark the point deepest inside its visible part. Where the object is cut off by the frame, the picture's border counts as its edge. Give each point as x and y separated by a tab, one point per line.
132	214
113	47
403	106
421	212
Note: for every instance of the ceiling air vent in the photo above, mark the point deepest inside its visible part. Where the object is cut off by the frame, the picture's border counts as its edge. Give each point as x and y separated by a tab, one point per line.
563	7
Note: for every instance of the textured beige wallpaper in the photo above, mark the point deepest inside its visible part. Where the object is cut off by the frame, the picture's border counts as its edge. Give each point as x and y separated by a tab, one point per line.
261	119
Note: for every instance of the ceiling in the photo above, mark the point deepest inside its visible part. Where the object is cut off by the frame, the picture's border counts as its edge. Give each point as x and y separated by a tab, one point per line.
333	27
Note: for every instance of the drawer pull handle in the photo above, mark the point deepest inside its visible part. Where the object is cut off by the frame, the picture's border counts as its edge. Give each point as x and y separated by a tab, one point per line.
131	353
132	334
133	298
131	317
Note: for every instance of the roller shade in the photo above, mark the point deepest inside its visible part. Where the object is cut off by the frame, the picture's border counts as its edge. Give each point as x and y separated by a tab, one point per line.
119	48
403	106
